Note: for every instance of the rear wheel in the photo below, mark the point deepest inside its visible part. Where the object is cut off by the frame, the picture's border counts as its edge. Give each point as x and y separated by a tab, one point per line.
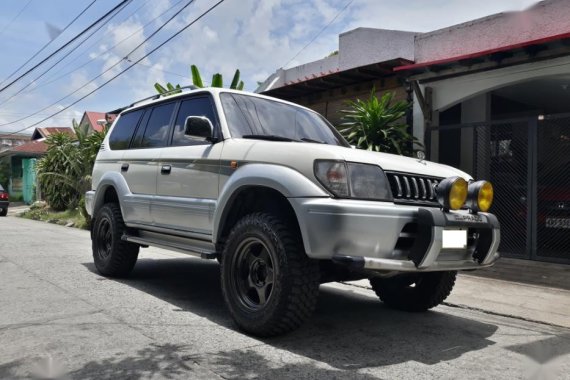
113	256
4	212
269	284
414	292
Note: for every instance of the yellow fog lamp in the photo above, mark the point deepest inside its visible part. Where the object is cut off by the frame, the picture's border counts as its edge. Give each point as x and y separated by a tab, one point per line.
452	193
480	196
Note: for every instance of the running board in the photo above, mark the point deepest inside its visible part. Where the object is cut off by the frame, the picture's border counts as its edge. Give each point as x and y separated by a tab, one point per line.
183	245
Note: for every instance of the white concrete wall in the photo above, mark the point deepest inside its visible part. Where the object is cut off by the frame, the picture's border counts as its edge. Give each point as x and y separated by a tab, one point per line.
547	18
312	69
364	46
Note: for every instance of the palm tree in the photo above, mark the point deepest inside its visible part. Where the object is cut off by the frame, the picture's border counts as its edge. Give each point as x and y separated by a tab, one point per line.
217	81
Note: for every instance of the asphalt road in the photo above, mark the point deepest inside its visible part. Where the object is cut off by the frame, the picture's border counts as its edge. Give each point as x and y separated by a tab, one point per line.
58	318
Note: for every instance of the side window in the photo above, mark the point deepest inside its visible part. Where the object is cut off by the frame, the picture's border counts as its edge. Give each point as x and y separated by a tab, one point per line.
137	140
156	132
191	107
124	129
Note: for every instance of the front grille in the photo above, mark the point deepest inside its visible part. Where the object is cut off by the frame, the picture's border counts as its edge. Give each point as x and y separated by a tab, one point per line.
413	189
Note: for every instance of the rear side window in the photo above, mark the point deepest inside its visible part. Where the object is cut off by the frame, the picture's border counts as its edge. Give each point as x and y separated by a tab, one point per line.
124	129
157	128
192	107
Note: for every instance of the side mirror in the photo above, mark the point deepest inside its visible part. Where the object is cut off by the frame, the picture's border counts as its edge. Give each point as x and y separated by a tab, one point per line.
199	128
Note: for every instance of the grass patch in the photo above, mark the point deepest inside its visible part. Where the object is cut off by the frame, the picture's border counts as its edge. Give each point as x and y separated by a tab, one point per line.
63	218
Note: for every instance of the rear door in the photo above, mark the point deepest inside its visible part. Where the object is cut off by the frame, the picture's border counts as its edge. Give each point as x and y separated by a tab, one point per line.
140	162
187	185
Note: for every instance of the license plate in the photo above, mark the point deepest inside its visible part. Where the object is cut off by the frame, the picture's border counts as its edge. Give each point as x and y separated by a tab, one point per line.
558	223
454	239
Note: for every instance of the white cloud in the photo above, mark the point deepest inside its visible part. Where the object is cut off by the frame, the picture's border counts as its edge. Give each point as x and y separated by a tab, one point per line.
255	36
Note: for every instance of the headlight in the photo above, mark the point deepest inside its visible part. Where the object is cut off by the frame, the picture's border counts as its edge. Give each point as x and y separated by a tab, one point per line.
480	196
452	193
352	180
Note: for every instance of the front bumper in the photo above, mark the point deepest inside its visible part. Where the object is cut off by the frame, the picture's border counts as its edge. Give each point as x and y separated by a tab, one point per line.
383	236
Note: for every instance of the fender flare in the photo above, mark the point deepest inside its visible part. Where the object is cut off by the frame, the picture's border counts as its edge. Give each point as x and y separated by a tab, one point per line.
115	180
288	182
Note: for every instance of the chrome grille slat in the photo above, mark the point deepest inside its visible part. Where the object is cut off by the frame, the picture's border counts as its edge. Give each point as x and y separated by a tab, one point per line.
424	191
399	186
416	189
408	189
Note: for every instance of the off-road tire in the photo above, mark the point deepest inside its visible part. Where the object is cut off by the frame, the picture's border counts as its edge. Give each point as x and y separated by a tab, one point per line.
294	290
414	292
113	256
4	212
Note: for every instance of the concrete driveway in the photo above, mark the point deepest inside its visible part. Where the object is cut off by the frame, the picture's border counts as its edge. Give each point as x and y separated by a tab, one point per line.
60	319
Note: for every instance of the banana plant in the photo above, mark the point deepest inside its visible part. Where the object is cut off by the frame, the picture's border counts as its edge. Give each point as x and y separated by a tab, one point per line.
217	81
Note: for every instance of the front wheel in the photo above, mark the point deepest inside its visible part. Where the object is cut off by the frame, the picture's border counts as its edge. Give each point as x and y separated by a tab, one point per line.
269	284
113	256
414	292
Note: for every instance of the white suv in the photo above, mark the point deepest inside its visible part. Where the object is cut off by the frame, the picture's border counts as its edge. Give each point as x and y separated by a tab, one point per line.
272	191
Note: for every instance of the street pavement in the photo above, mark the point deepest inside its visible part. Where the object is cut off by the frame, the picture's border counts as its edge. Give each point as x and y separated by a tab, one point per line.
60	319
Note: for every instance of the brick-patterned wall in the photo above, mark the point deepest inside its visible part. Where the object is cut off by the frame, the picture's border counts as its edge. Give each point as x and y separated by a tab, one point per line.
329	103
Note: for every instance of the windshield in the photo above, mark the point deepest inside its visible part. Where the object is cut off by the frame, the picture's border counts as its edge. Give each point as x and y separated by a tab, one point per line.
249	116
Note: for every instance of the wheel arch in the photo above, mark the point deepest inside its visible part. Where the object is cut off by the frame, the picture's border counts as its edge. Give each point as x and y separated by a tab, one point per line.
261	187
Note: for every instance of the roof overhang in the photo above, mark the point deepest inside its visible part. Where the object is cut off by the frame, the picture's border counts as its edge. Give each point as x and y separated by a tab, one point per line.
328	81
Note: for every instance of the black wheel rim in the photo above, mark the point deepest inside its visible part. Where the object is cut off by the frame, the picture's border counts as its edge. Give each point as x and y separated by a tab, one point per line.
253	274
104	239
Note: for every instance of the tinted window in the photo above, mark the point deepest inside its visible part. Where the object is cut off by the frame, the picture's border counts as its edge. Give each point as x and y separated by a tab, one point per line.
124	129
137	140
249	115
156	132
191	107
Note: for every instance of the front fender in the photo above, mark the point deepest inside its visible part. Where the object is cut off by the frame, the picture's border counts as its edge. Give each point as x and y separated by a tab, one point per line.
290	183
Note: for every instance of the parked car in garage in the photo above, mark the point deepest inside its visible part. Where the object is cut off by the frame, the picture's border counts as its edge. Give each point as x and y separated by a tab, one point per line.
4	201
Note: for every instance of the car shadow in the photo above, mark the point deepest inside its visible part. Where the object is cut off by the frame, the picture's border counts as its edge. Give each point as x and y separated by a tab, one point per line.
348	330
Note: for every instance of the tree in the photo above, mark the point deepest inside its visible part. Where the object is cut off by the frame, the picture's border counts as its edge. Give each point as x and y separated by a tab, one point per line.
217	81
377	124
64	173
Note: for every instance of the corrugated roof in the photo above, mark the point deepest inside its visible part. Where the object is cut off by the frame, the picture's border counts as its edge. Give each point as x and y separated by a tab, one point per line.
36	147
40	133
93	117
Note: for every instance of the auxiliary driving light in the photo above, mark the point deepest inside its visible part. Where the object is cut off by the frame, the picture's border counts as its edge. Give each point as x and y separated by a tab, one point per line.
480	196
452	193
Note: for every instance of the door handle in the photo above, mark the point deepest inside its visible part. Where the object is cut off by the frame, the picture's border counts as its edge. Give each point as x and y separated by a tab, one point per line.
165	169
124	167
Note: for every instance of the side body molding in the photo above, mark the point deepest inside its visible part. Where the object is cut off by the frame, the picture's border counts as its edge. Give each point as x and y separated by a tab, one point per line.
290	183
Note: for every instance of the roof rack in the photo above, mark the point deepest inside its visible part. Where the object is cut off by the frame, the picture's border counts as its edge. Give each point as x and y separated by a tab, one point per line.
154	97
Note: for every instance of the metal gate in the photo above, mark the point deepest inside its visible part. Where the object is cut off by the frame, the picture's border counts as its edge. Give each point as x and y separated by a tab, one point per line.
527	160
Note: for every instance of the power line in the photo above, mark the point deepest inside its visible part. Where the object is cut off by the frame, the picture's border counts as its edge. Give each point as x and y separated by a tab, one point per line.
109	68
65	45
55	79
319	33
47	44
128	68
65	55
15	17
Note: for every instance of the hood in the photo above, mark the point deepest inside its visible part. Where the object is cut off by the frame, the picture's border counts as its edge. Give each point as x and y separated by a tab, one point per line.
397	163
300	156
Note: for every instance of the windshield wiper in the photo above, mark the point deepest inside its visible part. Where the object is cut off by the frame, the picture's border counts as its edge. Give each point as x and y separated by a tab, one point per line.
268	137
306	139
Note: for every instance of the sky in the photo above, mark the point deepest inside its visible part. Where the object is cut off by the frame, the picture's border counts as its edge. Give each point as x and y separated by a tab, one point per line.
255	36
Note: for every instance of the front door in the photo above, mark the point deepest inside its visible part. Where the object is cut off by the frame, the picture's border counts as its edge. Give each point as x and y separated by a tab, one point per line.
187	185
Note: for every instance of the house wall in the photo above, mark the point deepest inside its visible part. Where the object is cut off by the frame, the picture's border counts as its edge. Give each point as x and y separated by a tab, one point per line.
328	103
